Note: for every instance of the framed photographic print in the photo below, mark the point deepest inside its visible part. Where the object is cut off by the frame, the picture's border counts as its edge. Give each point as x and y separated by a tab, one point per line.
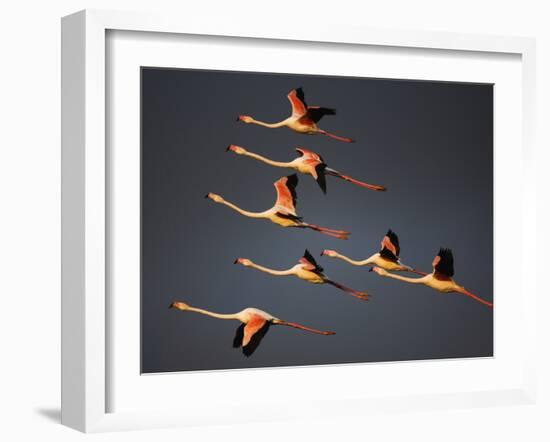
283	209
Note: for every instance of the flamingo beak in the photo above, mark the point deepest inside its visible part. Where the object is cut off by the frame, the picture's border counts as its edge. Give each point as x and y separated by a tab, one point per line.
237	261
207	195
371	269
172	305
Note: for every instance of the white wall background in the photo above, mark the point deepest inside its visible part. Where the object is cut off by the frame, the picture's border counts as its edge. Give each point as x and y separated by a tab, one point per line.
30	220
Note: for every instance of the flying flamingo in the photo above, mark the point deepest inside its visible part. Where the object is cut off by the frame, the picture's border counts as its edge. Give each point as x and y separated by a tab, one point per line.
441	277
283	212
306	269
304	118
254	325
387	258
308	163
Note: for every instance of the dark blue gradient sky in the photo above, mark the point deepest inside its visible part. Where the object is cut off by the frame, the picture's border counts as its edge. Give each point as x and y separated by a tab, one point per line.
429	143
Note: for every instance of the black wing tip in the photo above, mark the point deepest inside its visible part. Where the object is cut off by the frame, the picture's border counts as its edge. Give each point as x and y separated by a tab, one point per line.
300	94
388	254
446	262
393	237
317	112
321	179
248	350
239	333
445	252
293	178
310	258
292	182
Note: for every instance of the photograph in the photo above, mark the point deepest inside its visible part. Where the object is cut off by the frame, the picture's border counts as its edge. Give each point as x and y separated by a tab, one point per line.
293	220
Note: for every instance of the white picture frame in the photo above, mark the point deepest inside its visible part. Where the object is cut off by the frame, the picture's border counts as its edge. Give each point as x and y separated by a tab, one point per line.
85	202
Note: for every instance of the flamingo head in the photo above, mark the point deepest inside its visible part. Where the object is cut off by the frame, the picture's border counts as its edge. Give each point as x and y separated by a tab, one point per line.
243	261
237	149
245	119
214	197
179	305
328	253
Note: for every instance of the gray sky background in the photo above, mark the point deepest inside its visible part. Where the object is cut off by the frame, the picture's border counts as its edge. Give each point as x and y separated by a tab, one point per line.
429	143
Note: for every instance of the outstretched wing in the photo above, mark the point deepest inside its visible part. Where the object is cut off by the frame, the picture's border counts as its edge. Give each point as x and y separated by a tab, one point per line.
251	328
286	192
298	102
256	339
389	247
443	263
315	113
309	263
317	166
309	154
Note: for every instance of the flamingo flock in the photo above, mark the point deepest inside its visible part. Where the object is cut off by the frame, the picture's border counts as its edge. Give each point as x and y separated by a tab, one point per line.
385	262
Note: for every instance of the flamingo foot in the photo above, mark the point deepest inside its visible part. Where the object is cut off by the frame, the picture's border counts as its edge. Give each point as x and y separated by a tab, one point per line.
337	137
